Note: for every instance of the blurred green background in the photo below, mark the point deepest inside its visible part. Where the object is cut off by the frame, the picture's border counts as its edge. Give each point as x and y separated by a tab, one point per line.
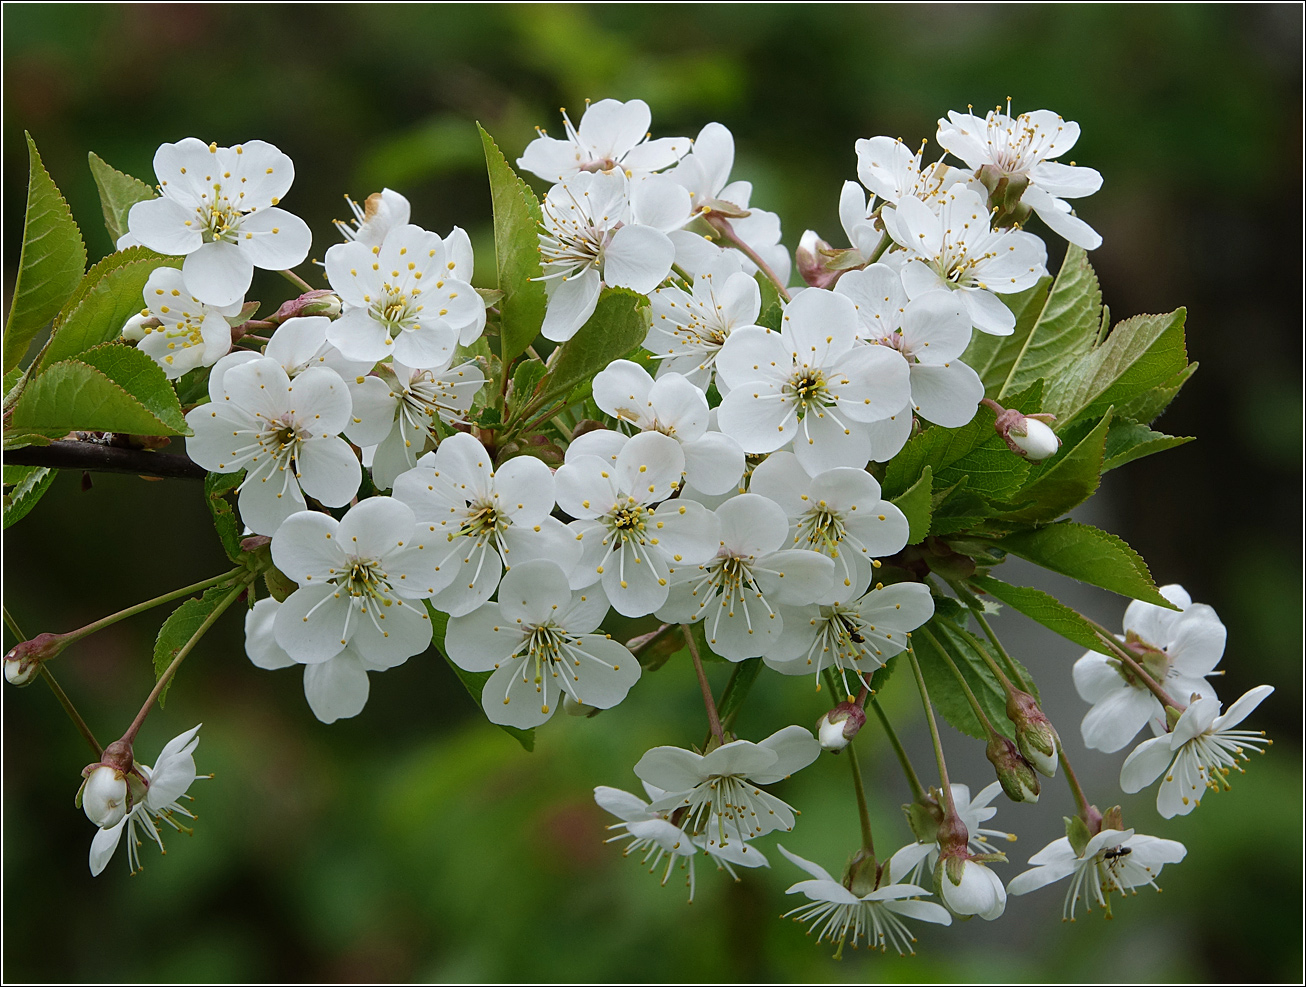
416	841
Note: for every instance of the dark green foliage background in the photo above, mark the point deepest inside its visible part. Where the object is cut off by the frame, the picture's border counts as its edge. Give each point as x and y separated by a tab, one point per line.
416	842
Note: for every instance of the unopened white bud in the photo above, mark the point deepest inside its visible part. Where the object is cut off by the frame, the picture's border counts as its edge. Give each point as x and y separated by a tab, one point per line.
979	892
830	735
134	329
1038	440
104	798
21	672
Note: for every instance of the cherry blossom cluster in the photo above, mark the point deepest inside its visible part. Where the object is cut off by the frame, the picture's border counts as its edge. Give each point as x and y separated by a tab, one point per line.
720	483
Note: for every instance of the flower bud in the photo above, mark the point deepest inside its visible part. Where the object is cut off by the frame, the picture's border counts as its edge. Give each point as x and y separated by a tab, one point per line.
970	888
104	796
808	257
862	875
1026	435
840	725
1015	774
1035	735
135	328
23	661
320	301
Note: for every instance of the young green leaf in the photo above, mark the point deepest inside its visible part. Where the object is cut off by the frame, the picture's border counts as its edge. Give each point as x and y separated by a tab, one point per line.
1129	441
992	357
772	310
1066	328
915	505
118	193
473	682
51	263
109	294
525	378
217	488
24	486
517	219
1090	555
1071	477
142	378
180	627
1045	609
619	324
1140	354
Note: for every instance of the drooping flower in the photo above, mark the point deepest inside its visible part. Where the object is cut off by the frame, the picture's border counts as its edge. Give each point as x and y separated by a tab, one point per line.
873	916
723	785
950	245
1022	148
542	642
396	411
838	513
1199	752
190	333
481	519
735	595
403	299
810	384
163	786
601	229
336	688
1113	860
689	330
978	890
1178	648
284	433
676	408
218	207
613	138
360	580
632	537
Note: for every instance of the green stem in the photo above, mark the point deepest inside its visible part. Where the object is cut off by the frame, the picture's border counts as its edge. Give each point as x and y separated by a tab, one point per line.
961	680
296	280
863	813
1107	638
186	649
913	781
934	733
59	694
713	719
1081	802
722	226
885	243
977	612
994	667
113	618
741	680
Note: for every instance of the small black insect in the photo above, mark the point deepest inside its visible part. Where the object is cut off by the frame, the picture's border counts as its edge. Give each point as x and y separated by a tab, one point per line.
1117	851
856	638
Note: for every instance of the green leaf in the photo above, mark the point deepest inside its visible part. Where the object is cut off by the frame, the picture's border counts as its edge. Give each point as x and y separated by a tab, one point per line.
74	395
1129	441
1090	555
118	193
1045	609
1147	407
1071	477
111	292
217	487
1140	354
517	219
24	486
142	378
619	324
525	378
473	682
1066	327
180	627
51	263
992	357
772	310
946	693
915	504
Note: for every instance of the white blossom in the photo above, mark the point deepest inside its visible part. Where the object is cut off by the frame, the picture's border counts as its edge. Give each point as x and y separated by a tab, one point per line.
875	916
1113	860
541	641
1178	648
810	384
405	298
219	207
380	213
1198	753
360	580
979	892
283	433
672	405
613	138
190	333
297	344
736	594
1023	147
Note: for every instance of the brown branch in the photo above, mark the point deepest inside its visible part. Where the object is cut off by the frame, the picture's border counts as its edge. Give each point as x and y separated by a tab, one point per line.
99	458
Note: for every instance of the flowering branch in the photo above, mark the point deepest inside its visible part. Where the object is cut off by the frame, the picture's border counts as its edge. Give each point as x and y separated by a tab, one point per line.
93	456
